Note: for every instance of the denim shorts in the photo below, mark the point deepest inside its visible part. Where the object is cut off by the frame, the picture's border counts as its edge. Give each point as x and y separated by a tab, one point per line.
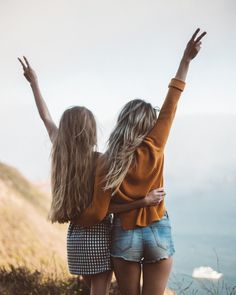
147	244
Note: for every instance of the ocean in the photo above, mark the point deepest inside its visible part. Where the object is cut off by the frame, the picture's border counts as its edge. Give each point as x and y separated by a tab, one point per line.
204	232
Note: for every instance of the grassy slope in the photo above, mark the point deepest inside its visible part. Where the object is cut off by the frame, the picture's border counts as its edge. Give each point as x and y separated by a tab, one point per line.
27	238
14	181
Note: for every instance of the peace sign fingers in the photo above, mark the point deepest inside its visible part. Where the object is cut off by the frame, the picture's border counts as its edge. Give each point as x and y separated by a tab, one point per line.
22	63
194	45
194	35
29	73
200	37
26	61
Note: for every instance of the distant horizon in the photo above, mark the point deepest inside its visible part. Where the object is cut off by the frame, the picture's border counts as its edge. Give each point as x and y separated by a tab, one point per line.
35	163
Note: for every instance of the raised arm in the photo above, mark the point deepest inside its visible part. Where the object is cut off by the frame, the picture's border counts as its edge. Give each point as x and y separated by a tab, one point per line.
31	77
153	198
159	134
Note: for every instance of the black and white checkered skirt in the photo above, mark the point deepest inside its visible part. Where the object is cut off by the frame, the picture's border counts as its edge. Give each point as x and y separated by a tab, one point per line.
88	248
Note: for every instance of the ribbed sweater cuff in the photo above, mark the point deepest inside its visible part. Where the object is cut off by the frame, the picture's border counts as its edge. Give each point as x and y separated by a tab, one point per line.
178	84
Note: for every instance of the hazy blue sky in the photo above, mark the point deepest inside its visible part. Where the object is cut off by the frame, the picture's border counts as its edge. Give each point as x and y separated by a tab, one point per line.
103	53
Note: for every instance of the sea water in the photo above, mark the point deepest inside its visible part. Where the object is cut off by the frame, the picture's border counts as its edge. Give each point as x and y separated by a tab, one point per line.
204	232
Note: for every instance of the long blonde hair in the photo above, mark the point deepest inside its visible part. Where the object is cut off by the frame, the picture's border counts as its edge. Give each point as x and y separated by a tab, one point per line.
73	159
134	122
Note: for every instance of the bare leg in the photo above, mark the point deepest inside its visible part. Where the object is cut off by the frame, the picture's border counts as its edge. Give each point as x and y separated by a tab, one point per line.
87	280
128	276
109	278
155	276
100	283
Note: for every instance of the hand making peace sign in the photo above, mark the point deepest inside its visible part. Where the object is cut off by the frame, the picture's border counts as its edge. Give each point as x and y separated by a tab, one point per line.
193	46
29	73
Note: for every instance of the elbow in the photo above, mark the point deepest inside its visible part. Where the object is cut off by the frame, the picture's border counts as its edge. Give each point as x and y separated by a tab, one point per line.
99	216
112	209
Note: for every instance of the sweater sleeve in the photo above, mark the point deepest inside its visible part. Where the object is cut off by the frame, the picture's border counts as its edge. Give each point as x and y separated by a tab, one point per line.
160	131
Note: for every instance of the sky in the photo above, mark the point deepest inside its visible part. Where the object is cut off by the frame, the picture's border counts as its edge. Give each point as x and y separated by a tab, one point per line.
101	54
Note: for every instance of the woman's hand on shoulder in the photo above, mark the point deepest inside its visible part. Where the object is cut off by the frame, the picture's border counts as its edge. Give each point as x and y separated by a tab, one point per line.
193	46
154	197
29	73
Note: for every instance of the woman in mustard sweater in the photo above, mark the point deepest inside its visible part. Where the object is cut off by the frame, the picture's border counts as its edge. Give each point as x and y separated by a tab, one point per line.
134	161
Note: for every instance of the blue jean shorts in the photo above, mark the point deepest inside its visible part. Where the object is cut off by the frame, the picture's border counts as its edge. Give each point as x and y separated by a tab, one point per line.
143	244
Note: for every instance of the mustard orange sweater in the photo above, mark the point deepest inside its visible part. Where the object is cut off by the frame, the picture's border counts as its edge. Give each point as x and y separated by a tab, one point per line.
141	178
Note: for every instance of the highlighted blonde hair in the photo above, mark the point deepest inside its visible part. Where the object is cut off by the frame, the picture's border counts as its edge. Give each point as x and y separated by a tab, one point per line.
134	122
73	158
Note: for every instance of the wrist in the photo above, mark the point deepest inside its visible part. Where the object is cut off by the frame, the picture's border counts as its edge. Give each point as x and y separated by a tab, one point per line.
144	202
185	60
34	83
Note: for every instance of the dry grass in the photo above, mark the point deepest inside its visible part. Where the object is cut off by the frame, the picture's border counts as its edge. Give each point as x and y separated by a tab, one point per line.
27	238
34	283
202	287
18	184
22	281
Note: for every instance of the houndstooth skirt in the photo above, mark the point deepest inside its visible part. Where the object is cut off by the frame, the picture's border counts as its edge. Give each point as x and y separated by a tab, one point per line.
88	248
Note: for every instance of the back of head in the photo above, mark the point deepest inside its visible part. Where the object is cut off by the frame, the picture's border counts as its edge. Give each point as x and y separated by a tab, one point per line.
72	174
134	122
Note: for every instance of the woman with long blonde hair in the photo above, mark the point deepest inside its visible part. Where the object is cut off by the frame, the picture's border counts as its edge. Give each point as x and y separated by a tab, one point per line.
73	175
133	166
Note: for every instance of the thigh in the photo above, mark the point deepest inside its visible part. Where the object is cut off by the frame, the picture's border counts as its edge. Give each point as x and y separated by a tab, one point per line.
127	275
87	280
155	276
100	283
